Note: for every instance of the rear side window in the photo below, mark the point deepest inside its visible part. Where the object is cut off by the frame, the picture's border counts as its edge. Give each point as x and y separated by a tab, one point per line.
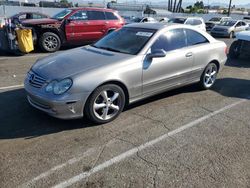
111	16
171	40
195	38
96	15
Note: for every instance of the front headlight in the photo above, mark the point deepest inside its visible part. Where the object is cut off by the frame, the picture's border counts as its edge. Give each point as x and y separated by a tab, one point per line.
59	87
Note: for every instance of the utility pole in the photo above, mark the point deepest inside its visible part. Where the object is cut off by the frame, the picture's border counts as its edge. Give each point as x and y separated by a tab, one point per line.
229	8
174	6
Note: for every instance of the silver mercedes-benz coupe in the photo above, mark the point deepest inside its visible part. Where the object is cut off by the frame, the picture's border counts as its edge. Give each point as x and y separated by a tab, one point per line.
130	64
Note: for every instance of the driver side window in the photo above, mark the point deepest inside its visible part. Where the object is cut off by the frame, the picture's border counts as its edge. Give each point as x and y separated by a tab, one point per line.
80	15
238	24
171	40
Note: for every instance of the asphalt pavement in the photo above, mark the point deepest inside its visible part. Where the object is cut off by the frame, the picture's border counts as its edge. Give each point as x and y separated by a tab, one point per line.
182	138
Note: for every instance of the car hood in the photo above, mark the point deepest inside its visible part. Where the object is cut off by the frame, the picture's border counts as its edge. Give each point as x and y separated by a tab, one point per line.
243	35
72	62
40	21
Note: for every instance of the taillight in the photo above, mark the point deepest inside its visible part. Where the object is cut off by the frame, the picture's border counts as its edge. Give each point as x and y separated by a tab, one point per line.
226	50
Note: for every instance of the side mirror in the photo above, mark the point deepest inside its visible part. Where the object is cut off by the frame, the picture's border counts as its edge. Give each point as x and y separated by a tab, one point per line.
67	21
157	54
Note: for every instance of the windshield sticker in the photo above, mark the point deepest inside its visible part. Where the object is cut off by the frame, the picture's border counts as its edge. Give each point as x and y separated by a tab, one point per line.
144	34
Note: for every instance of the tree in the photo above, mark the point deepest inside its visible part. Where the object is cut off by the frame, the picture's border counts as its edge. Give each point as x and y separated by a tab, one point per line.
64	1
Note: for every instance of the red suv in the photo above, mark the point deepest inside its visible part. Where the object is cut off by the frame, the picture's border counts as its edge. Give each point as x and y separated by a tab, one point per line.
74	26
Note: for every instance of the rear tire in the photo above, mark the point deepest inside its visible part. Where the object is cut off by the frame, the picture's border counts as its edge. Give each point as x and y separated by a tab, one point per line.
105	104
50	42
208	77
234	51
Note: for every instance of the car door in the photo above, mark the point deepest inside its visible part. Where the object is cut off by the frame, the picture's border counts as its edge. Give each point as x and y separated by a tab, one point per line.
76	27
96	25
239	27
244	26
112	21
173	69
199	46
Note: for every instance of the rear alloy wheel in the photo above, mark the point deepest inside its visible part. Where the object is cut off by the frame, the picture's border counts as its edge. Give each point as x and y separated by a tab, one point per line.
50	42
234	51
209	76
105	104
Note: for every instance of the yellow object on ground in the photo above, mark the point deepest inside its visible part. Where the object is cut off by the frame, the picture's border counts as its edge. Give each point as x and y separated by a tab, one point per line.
25	40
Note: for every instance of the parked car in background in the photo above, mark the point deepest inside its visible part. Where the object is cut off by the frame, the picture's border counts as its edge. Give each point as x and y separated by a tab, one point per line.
74	26
229	28
241	45
194	21
247	19
148	20
215	21
130	64
22	16
164	20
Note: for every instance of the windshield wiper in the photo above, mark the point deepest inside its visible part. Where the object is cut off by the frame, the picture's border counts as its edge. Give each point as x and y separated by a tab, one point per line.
107	48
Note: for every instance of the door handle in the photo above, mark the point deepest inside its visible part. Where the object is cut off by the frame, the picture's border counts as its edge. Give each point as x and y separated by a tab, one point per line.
190	54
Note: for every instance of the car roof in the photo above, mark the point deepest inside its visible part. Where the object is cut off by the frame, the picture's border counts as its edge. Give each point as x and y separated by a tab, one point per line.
92	8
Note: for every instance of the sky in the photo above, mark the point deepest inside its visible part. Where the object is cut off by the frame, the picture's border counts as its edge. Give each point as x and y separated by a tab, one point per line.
221	1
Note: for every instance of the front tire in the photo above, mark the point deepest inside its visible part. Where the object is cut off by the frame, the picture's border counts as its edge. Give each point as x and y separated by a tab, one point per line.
209	75
50	42
234	51
105	104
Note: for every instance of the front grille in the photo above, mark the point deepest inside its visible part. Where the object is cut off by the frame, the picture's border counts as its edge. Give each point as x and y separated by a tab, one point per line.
35	80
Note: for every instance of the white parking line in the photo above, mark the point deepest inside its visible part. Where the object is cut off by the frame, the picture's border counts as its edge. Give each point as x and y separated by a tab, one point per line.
26	56
58	167
133	151
11	87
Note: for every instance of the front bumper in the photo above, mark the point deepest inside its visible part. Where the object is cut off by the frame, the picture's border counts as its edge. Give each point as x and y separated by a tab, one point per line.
67	106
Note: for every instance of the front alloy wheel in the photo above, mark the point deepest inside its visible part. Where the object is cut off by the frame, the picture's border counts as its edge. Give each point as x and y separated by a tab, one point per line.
50	42
209	76
105	104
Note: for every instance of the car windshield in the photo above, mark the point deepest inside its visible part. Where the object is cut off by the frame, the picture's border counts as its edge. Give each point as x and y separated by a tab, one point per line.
62	14
177	20
137	20
228	23
216	19
127	40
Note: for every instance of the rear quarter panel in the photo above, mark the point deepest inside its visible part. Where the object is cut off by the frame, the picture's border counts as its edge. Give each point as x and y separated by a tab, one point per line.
207	53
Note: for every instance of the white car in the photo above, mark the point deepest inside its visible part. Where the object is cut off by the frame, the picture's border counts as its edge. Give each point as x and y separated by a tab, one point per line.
164	20
197	22
247	19
241	45
148	20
